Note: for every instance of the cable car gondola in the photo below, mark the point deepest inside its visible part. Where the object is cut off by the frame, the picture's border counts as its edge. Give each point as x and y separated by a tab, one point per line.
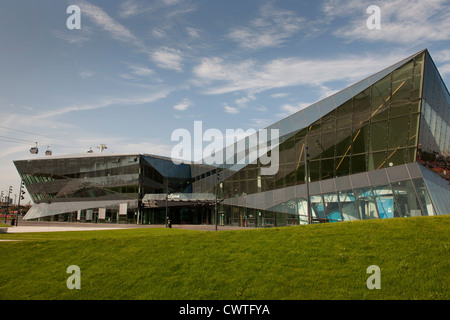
34	150
90	151
48	152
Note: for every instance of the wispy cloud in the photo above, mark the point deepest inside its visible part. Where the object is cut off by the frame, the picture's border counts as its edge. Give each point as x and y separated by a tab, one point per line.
77	39
230	110
402	21
218	76
183	105
271	28
279	95
168	58
107	102
141	71
129	8
108	24
288	109
84	74
242	102
193	32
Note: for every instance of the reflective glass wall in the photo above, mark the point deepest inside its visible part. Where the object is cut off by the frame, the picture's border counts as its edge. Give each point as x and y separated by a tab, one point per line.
377	128
434	138
386	193
81	178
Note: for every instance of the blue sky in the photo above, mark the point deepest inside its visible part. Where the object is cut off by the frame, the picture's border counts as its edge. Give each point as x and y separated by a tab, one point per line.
137	70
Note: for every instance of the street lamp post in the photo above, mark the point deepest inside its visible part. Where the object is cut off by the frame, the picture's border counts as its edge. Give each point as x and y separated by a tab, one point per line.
308	201
7	203
167	199
217	192
21	193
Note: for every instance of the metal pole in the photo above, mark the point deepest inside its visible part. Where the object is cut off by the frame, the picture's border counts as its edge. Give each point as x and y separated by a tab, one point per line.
308	201
217	192
167	199
7	203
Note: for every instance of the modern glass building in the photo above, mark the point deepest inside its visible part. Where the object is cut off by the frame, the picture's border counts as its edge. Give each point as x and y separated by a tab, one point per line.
377	149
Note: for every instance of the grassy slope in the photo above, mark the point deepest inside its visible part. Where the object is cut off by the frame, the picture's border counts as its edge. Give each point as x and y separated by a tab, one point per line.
326	261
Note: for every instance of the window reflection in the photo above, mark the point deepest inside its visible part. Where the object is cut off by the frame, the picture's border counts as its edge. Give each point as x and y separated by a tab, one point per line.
365	203
384	199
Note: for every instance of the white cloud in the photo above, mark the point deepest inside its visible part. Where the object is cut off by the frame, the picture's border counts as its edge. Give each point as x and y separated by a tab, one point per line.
158	33
242	102
114	28
171	2
84	74
261	108
230	110
289	109
272	27
441	55
107	102
72	38
193	32
141	71
183	105
444	69
402	21
129	8
279	95
168	58
259	123
218	76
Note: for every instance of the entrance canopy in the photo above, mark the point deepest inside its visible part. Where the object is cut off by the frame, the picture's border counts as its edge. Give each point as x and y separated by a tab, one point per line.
158	200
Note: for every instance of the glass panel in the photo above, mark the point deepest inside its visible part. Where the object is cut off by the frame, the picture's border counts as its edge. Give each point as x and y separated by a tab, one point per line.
385	201
377	160
361	107
314	170
348	206
345	109
397	157
406	200
343	166
317	208
437	134
381	92
378	136
417	80
329	122
343	142
302	205
400	109
328	144
414	129
412	155
314	147
415	106
300	173
345	122
360	139
402	83
365	203
332	207
327	167
424	197
358	163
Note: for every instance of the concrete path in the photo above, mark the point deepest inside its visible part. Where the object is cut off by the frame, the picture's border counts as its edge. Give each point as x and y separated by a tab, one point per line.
43	226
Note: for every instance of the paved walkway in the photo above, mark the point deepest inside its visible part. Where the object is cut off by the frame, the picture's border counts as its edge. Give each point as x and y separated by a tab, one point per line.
44	226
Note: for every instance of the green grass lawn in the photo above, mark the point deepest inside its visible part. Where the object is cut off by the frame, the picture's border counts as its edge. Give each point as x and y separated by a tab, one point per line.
324	261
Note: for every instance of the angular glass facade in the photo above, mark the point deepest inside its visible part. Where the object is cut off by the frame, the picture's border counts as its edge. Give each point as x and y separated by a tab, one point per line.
377	149
359	153
71	185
